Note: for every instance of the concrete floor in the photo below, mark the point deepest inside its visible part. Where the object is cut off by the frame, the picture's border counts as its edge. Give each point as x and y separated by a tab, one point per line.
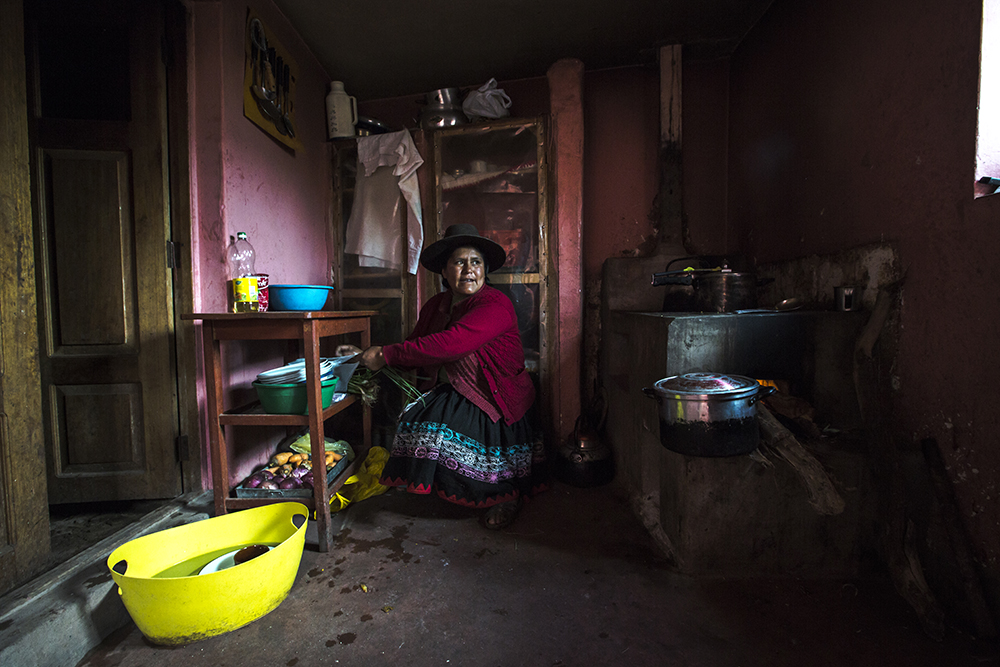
576	581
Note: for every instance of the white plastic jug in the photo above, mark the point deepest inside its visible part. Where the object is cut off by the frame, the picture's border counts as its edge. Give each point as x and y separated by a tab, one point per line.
341	111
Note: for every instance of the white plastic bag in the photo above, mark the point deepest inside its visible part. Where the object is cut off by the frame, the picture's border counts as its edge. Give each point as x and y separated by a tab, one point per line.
487	102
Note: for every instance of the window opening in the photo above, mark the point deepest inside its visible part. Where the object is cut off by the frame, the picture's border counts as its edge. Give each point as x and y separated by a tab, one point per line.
988	134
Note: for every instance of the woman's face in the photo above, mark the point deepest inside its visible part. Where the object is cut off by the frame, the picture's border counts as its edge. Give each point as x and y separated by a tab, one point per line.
465	272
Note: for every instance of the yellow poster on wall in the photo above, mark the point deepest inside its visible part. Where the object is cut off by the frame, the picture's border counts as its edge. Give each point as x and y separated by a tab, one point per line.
269	84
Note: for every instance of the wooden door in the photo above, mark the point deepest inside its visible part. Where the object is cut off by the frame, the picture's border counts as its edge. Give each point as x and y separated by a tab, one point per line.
99	154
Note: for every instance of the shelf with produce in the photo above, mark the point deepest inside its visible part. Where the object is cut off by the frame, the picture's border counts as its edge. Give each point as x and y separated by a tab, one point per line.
332	488
307	328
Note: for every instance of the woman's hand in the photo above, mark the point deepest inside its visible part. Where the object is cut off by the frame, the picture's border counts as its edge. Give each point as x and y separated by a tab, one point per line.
346	350
372	358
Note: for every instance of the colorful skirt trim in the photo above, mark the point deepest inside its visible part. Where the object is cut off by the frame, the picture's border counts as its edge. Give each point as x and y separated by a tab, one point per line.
446	445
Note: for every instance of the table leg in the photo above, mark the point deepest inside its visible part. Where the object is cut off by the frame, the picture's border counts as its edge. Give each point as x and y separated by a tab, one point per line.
366	412
216	437
321	492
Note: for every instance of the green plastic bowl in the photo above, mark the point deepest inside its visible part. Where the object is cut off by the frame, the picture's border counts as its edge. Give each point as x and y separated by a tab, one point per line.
291	399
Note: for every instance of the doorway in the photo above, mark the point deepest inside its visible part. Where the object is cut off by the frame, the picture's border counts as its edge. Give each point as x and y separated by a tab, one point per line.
101	181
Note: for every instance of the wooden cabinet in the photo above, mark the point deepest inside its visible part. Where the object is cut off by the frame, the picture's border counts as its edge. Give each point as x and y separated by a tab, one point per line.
307	329
494	176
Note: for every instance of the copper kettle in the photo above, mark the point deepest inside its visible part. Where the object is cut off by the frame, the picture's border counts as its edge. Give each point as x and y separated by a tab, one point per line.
585	460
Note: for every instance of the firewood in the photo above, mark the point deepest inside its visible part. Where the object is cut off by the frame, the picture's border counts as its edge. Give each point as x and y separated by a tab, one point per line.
823	496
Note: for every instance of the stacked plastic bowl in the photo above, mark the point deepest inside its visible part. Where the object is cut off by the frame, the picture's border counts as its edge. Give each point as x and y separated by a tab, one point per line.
283	390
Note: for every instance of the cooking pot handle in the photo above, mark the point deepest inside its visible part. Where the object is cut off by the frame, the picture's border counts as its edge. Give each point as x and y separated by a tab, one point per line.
671	278
763	391
649	391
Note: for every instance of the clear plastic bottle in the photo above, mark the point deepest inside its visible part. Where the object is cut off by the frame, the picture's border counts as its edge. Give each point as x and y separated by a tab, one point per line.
243	296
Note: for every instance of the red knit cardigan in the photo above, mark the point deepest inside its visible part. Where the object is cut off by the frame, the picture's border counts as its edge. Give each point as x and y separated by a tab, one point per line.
485	325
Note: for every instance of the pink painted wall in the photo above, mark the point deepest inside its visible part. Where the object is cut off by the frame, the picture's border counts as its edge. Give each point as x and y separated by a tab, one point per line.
622	130
244	180
853	123
621	180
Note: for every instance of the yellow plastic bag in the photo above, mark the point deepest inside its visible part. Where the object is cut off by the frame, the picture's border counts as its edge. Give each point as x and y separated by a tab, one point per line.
363	484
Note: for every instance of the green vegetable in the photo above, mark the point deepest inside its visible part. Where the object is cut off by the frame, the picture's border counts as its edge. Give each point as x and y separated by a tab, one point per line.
303	445
363	383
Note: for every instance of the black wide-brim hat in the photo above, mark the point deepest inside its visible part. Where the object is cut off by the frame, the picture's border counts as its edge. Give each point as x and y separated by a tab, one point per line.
436	255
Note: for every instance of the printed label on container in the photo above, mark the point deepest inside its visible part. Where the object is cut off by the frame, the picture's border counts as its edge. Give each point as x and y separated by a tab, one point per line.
243	295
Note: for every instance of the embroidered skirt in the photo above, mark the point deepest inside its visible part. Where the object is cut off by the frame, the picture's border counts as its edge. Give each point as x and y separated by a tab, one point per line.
446	445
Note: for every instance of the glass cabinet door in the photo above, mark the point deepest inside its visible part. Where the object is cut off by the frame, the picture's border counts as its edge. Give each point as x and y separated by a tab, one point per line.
493	176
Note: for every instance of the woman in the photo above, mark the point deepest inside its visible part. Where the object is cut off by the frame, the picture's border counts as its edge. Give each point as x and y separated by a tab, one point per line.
469	438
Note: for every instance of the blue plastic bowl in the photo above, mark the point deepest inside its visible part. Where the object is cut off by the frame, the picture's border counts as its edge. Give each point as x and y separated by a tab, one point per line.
297	297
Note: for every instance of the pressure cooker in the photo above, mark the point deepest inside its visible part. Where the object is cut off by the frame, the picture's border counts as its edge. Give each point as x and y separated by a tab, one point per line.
718	289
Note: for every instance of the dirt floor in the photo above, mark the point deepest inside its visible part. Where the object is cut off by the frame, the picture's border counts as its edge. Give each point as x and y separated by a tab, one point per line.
576	581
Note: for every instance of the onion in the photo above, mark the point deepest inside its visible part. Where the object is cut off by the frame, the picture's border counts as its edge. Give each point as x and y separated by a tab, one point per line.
268	485
298	472
253	481
289	483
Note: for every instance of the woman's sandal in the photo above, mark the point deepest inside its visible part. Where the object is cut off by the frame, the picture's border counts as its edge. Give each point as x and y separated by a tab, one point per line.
502	515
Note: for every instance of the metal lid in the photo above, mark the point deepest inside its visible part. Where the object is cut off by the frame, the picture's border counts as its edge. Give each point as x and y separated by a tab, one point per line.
708	384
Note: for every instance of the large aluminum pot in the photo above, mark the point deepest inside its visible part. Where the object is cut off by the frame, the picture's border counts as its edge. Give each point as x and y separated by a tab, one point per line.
708	414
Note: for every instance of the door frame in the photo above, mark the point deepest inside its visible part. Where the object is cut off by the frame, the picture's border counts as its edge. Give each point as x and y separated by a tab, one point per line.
191	452
24	537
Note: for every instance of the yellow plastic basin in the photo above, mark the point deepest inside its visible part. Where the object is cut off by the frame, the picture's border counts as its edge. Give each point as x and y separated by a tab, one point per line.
171	603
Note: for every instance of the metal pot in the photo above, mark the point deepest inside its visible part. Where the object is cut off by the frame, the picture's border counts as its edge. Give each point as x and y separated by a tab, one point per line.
439	116
708	414
447	97
712	290
709	284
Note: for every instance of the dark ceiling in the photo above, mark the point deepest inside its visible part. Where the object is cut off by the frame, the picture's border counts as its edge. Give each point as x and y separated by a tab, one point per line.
393	48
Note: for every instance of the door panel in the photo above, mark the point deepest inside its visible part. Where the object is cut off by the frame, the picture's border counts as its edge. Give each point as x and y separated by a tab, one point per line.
91	237
105	308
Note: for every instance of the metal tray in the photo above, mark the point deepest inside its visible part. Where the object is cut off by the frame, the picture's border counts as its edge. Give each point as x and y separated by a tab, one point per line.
242	492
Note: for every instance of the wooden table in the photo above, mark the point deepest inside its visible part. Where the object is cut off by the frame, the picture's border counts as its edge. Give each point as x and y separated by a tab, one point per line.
308	328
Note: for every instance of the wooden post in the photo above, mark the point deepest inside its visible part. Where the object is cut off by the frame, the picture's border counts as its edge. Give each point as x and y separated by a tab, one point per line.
566	102
671	173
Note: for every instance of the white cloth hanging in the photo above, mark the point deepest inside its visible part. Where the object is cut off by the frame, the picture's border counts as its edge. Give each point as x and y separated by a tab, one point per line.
387	166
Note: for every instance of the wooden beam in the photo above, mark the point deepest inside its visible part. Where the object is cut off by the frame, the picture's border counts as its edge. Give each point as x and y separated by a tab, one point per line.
566	148
670	94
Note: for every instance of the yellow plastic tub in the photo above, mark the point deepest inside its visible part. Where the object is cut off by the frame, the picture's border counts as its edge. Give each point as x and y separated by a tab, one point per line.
159	580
